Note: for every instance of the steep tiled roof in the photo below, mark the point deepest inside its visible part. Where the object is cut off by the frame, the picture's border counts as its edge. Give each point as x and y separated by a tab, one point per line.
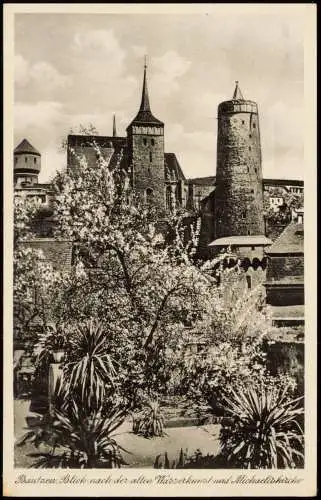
202	181
290	241
173	168
102	141
57	252
25	147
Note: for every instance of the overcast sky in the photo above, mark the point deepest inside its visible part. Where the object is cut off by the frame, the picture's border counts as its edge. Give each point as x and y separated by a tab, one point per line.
80	69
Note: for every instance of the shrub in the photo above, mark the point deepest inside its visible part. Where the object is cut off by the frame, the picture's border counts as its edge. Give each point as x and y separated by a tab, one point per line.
89	368
265	432
74	438
151	422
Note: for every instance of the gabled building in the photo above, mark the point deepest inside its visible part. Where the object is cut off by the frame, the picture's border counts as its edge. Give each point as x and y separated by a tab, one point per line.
285	277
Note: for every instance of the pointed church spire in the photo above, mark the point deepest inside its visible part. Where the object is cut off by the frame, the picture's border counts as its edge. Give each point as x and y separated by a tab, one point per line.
237	96
114	126
144	114
144	105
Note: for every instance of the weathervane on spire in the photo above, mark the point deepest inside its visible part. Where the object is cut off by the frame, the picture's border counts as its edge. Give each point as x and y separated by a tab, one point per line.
145	62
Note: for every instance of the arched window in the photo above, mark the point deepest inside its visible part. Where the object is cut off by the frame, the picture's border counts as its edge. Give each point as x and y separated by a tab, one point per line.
149	195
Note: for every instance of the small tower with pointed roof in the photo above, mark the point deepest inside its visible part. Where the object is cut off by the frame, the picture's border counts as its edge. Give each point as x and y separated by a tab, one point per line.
27	164
145	138
239	190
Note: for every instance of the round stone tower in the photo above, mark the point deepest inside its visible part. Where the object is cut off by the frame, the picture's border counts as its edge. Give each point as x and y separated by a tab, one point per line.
239	192
27	164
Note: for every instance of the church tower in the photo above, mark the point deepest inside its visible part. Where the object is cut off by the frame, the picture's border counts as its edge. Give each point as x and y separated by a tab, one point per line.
145	136
238	206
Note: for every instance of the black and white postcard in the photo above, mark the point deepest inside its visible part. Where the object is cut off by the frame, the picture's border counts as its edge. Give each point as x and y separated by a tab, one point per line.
160	250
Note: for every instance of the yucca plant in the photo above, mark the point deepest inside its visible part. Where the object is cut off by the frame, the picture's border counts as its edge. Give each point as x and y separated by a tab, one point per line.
76	439
265	431
50	340
151	422
89	367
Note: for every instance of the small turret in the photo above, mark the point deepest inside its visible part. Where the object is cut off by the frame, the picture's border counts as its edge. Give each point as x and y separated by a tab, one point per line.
27	164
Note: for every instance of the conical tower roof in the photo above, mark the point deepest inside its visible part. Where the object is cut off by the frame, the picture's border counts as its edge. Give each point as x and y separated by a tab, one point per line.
26	148
237	96
144	114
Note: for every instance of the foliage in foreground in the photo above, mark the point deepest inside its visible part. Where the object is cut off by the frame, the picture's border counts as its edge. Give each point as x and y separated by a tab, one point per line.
265	431
73	439
194	461
151	422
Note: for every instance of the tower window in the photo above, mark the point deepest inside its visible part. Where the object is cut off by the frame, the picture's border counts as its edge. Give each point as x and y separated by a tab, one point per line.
243	122
255	170
145	141
149	195
252	191
35	160
250	148
253	248
26	159
250	136
249	232
249	282
152	142
254	125
150	156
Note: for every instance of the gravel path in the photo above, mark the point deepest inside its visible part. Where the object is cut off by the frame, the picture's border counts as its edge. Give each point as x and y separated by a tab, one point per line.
141	451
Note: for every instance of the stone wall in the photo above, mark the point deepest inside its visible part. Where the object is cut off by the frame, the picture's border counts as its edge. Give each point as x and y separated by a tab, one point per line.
239	192
146	156
285	267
